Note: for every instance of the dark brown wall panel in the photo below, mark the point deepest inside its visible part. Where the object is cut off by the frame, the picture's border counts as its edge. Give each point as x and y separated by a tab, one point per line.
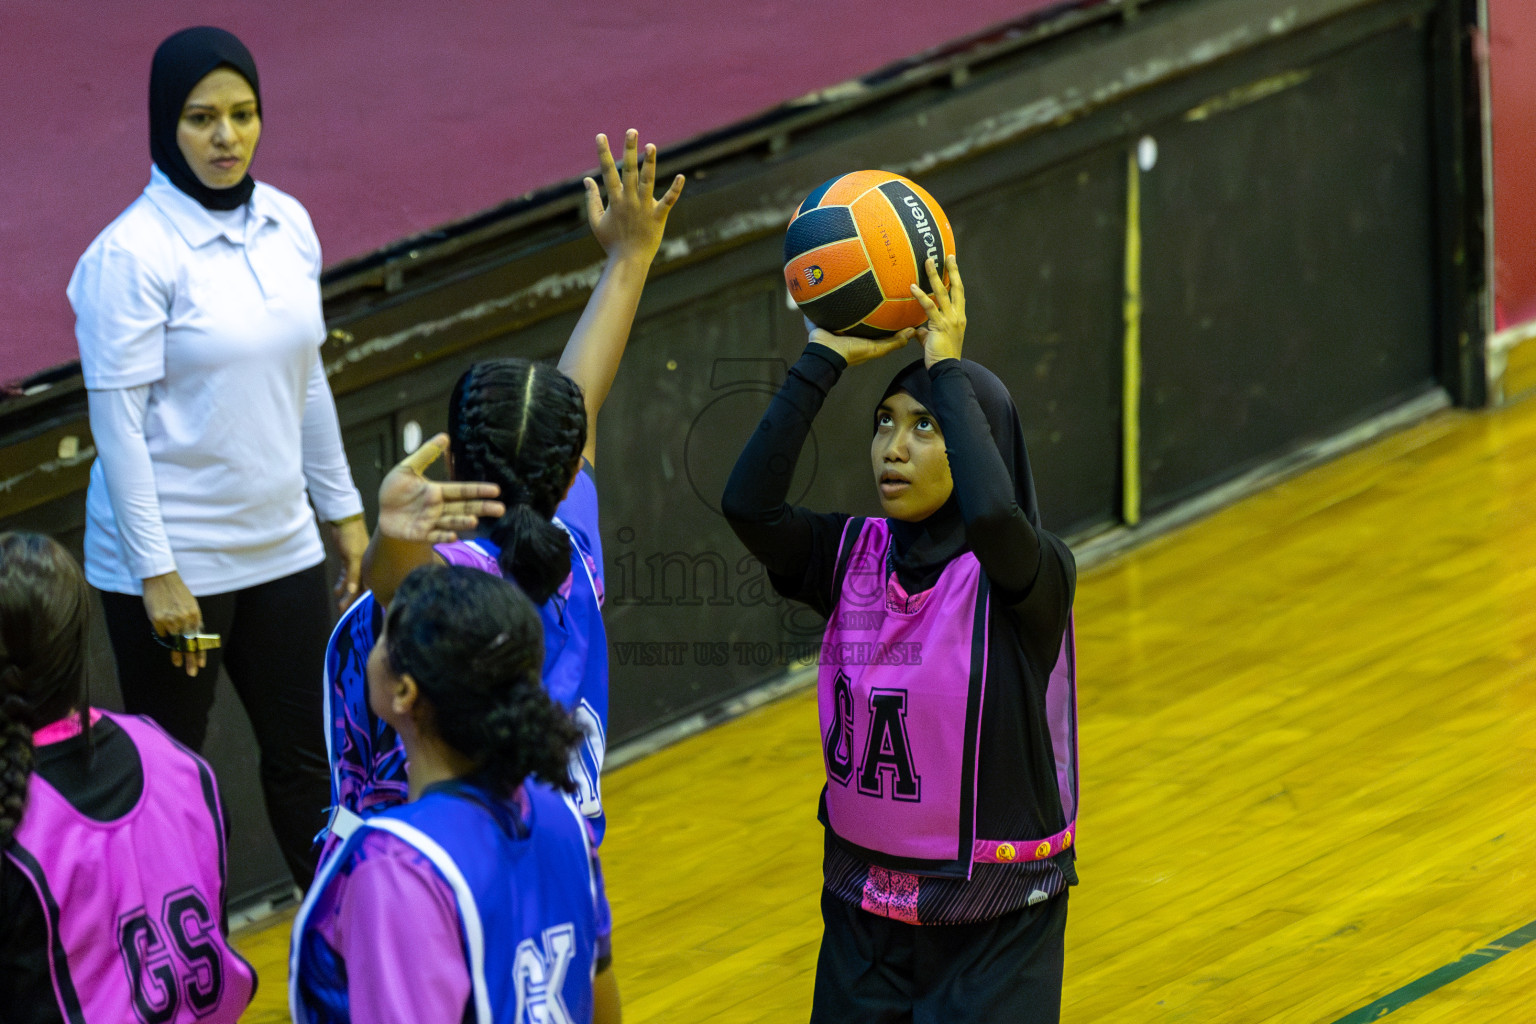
1289	264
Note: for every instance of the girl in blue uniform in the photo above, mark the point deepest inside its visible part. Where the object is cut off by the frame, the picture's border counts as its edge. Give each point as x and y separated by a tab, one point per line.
946	687
480	899
527	431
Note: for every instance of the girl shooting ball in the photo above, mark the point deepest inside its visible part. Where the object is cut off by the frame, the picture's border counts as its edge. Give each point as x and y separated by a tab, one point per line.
951	786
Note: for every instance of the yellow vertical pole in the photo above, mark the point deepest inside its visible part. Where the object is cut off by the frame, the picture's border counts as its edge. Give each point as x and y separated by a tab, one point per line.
1130	406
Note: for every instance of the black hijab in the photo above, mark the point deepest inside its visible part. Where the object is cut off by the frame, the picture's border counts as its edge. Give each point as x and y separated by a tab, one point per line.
180	63
922	549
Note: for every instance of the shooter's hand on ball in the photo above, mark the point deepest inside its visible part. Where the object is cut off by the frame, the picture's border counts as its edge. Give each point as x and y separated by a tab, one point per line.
414	508
631	227
944	334
858	350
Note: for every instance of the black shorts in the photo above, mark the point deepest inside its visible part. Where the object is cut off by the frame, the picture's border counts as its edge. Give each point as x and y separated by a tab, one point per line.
873	970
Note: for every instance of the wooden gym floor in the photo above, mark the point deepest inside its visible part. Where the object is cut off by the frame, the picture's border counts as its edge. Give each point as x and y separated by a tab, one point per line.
1309	773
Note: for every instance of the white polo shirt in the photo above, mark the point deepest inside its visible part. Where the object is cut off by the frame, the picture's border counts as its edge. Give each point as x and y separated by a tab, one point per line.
199	342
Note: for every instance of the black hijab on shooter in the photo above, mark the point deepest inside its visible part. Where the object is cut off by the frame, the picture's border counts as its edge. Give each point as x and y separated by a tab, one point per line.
922	549
180	63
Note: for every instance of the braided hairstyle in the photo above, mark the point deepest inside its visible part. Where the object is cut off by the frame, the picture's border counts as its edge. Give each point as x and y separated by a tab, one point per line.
475	645
522	426
43	623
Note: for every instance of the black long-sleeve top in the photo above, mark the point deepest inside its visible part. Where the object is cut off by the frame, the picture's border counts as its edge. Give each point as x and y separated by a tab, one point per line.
1032	574
790	540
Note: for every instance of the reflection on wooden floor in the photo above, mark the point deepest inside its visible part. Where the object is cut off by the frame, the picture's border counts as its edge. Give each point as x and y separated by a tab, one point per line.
1309	735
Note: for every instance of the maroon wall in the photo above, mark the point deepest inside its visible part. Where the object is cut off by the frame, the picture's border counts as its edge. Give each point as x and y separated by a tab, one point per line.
390	118
1512	61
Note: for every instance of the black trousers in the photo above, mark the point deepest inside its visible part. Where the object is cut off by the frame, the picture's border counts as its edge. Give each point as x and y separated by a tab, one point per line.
872	970
274	637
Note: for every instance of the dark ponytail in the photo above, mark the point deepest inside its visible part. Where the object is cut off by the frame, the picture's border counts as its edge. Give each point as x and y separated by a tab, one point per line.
522	426
475	646
15	758
534	551
43	622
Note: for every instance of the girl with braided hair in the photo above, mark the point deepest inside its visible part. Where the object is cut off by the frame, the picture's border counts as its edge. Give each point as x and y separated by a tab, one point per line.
525	432
522	425
481	898
112	873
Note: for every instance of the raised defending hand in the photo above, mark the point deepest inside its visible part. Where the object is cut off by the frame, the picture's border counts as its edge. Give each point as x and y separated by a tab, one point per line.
414	508
632	224
858	350
944	334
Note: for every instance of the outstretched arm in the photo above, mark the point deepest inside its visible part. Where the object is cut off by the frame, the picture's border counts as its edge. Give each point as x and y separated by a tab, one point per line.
997	530
779	535
754	503
629	231
415	513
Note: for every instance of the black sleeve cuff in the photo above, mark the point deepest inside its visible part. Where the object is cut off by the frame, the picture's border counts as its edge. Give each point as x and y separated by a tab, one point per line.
830	355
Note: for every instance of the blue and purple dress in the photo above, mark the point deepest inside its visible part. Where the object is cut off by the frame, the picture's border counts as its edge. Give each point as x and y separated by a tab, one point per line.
367	757
461	905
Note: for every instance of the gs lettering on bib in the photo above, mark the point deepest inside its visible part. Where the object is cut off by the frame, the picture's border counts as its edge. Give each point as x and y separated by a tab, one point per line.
899	733
133	905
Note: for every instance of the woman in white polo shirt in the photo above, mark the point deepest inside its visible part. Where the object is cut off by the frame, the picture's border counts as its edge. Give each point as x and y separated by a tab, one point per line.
199	323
